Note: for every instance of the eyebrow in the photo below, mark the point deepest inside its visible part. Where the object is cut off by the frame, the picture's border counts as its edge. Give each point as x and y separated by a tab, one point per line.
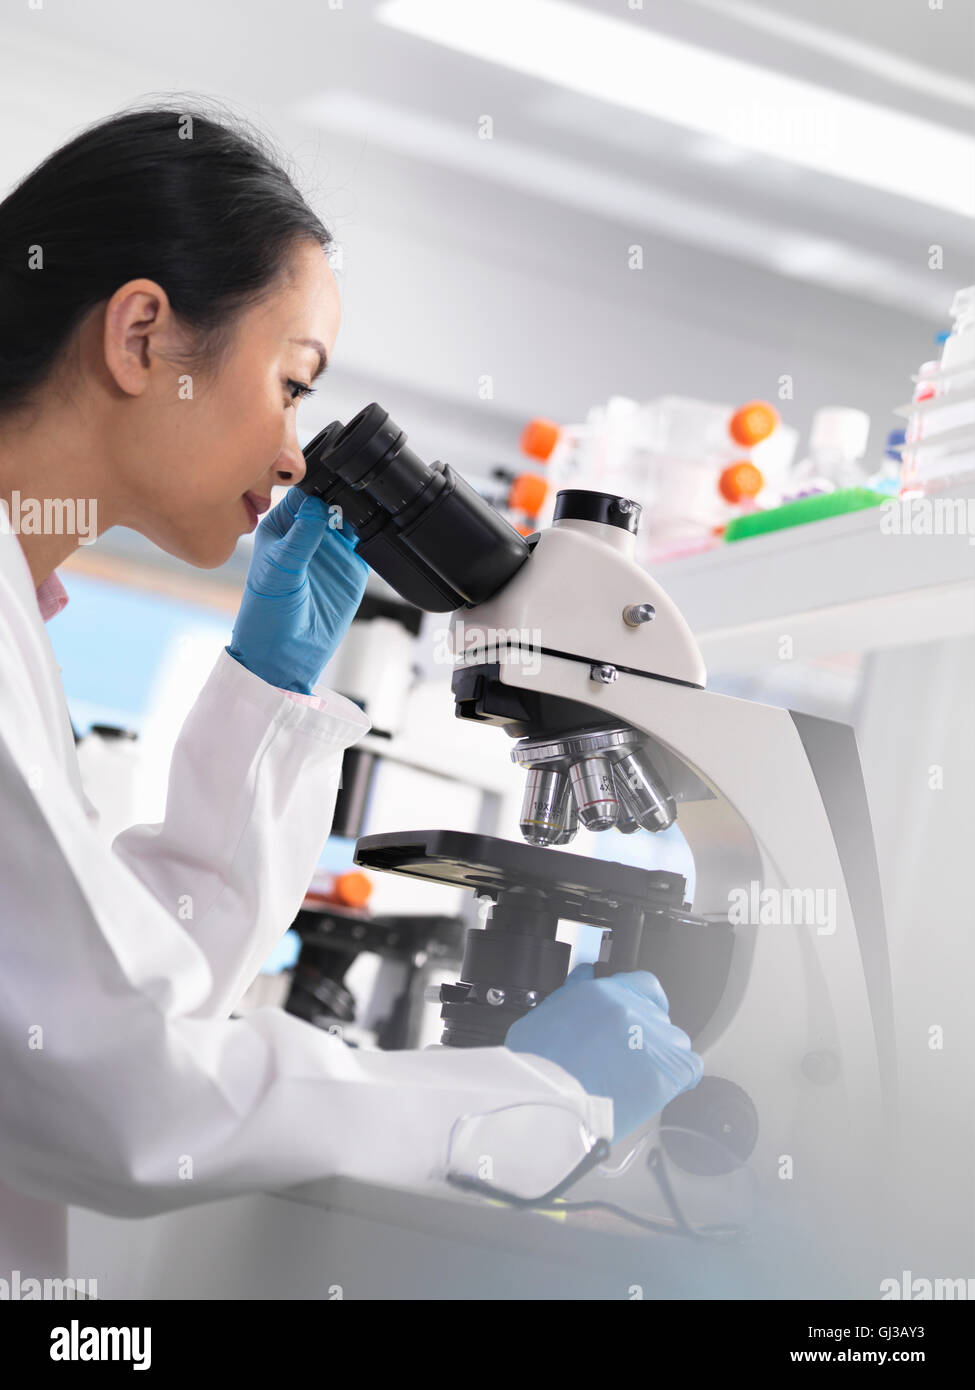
319	348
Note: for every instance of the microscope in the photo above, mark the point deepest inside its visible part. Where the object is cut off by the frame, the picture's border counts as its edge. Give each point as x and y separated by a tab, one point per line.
776	966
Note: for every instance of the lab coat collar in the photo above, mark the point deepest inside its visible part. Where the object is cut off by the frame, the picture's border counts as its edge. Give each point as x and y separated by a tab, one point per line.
24	603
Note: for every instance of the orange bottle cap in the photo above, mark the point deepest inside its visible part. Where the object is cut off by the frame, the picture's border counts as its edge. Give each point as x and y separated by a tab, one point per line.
539	438
352	888
740	480
528	492
753	423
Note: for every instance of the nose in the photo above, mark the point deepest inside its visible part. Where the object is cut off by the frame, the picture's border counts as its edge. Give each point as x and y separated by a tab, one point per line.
289	466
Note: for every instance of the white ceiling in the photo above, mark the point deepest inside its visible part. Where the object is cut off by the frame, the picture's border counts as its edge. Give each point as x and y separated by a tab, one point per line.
465	258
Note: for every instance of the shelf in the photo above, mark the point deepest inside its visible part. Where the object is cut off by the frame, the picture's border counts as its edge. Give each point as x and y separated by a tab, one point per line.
834	586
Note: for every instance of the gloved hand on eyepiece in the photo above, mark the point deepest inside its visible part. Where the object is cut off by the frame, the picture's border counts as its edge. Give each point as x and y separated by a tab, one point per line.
614	1035
304	585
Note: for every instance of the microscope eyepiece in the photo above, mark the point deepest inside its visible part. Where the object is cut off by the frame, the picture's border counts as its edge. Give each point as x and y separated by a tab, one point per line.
578	504
421	526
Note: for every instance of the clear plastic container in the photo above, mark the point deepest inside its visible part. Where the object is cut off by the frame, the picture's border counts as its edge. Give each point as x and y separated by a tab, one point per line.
607	452
670	455
837	444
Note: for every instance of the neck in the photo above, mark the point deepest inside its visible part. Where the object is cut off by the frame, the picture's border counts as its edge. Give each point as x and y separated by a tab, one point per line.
52	496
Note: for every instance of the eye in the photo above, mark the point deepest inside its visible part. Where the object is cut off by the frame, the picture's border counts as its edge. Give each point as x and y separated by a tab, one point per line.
299	390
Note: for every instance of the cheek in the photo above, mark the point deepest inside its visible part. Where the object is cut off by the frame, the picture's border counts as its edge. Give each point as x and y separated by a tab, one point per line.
267	425
230	443
246	449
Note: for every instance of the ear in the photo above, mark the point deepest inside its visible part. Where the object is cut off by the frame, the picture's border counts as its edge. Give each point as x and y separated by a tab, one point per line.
138	323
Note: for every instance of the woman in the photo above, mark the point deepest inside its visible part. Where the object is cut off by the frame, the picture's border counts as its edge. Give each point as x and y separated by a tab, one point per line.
165	300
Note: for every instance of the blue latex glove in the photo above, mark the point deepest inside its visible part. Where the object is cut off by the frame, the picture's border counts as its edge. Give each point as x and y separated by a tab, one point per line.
588	1026
304	585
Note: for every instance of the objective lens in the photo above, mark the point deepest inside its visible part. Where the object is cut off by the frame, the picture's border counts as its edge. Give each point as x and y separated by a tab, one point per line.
545	806
626	823
594	792
571	821
643	793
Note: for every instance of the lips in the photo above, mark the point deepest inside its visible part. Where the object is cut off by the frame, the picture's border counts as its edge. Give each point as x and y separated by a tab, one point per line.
254	504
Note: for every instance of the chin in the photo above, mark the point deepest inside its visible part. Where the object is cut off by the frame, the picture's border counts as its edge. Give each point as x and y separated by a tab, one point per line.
202	552
212	559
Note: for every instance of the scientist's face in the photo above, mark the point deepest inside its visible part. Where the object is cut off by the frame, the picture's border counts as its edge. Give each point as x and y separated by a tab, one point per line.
191	450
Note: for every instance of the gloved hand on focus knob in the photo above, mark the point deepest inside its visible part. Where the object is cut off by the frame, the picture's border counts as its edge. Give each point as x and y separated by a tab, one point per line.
614	1035
304	585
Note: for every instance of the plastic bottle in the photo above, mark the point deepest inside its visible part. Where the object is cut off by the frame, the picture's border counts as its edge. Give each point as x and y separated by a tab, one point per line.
837	444
958	352
351	889
940	442
888	476
602	453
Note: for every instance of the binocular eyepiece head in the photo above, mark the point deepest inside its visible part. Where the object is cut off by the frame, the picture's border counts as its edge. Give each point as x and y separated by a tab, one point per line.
421	526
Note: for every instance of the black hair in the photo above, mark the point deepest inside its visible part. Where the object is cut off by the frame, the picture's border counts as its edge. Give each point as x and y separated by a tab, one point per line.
205	206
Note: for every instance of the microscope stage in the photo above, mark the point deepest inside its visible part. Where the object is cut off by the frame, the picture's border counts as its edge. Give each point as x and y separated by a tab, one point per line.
578	888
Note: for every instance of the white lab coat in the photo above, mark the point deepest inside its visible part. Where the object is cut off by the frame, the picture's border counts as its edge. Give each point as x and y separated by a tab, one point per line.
125	1086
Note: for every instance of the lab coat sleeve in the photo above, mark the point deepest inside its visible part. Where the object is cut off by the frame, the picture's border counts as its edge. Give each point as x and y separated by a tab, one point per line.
120	1092
252	787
